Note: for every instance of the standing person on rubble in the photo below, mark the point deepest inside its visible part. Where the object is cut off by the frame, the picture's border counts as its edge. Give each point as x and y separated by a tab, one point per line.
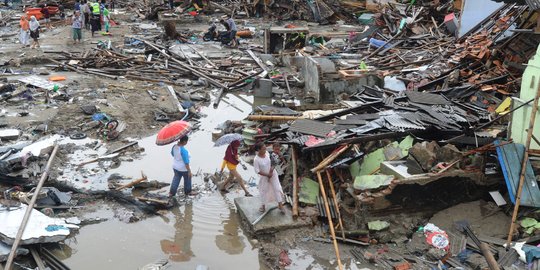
76	25
278	159
34	32
269	187
232	29
96	16
46	16
181	168
24	35
95	23
231	161
85	10
106	19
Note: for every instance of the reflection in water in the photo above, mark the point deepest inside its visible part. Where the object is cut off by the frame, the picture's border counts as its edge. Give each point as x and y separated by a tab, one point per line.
61	250
179	250
230	241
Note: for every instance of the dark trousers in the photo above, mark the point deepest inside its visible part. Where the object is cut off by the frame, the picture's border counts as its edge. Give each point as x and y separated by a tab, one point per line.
233	37
87	20
178	175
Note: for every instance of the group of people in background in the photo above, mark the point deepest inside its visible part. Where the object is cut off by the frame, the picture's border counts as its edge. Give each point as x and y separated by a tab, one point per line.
89	15
94	16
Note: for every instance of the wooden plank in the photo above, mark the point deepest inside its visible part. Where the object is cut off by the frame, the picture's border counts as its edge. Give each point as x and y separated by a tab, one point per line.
175	99
259	63
37	258
295	182
510	156
134	182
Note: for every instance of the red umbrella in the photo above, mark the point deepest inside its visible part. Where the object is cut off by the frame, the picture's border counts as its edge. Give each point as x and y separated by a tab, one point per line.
173	132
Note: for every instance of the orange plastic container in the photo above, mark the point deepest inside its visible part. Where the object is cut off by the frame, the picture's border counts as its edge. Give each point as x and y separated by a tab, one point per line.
36	11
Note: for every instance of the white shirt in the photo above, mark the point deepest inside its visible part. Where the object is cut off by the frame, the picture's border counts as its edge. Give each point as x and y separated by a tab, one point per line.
179	153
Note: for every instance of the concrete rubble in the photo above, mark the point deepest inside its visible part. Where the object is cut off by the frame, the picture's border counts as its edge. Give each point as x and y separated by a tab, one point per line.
401	126
5	250
40	228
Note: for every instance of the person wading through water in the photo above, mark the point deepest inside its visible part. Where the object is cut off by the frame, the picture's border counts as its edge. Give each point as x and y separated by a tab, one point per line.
231	161
181	168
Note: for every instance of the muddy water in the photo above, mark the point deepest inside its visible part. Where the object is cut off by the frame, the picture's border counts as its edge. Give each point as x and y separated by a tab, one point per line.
202	231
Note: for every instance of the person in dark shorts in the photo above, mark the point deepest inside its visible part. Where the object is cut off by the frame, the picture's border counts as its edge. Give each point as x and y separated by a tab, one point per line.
34	32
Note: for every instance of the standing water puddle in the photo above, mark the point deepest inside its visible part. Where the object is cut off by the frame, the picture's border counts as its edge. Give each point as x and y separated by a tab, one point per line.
203	231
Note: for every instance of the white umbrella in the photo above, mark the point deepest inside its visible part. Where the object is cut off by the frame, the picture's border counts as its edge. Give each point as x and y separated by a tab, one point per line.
228	138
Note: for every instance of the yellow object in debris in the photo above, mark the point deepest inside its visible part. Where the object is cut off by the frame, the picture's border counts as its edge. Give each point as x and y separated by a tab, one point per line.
504	107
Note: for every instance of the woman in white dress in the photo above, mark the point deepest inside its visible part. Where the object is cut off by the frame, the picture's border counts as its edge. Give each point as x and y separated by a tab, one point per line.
269	186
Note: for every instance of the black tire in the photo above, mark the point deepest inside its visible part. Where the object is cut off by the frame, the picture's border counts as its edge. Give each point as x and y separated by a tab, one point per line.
77	136
113	135
111	125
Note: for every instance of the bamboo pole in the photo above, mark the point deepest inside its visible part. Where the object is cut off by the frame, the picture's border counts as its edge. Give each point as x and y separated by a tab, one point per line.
334	198
29	209
524	166
330	222
330	158
295	183
256	117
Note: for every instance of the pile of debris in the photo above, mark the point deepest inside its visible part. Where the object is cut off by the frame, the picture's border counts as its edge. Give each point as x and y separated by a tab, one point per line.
423	106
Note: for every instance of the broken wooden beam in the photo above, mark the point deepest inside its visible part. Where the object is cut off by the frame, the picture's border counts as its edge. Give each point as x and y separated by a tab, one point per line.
259	63
322	165
175	99
134	182
257	117
144	199
295	182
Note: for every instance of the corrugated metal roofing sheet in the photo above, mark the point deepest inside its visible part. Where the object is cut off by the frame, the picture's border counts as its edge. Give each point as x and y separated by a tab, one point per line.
426	98
311	127
533	4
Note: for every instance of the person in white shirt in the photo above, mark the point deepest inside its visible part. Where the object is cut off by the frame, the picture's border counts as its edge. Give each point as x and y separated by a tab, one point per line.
269	187
181	168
